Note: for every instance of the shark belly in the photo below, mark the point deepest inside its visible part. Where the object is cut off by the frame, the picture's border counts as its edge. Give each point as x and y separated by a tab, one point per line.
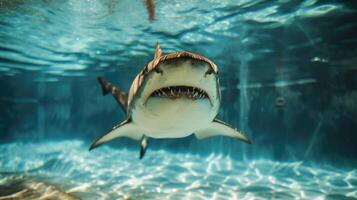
172	118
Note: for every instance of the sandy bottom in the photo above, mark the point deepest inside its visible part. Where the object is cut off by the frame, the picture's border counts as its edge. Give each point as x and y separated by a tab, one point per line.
66	170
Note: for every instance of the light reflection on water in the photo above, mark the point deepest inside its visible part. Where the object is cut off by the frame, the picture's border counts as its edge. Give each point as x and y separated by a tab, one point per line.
109	173
75	38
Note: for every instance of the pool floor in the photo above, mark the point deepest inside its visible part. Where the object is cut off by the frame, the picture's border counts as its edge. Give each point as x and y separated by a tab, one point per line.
107	173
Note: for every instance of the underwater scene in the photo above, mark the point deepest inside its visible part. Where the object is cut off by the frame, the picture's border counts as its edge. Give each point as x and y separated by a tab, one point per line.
179	99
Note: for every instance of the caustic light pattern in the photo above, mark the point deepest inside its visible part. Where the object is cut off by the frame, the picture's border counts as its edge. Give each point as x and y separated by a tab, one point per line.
118	174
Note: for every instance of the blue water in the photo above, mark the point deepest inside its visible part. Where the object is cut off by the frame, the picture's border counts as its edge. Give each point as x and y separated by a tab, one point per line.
288	79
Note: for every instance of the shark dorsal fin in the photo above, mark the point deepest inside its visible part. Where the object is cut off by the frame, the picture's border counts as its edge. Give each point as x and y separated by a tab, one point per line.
158	51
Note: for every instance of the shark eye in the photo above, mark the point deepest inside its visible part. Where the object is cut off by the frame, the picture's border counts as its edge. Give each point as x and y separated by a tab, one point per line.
209	71
157	70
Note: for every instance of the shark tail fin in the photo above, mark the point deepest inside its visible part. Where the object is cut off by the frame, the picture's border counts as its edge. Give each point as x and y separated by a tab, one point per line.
124	129
218	127
158	51
119	96
143	146
105	85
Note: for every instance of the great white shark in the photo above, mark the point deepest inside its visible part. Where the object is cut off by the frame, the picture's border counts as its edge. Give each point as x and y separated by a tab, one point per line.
174	96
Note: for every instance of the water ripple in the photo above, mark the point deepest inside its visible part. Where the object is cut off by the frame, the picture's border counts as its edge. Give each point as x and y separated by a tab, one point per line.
65	37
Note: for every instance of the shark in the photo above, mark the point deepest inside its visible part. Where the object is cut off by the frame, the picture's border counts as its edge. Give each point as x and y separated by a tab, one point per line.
173	96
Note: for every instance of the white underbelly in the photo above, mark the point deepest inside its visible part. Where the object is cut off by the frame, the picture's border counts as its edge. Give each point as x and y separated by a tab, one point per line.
168	118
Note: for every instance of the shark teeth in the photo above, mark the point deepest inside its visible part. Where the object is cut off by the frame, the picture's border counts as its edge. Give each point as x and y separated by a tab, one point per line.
174	92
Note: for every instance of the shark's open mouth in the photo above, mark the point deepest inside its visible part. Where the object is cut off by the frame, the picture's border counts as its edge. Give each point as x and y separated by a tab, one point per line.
174	92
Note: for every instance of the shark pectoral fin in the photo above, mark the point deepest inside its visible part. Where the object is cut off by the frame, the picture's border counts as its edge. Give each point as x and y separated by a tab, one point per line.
124	129
143	146
218	127
119	96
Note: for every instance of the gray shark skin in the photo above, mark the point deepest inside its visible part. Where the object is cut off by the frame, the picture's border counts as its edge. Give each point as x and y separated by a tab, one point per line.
174	96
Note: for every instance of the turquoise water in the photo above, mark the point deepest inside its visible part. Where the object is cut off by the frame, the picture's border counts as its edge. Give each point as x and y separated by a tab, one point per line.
288	81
